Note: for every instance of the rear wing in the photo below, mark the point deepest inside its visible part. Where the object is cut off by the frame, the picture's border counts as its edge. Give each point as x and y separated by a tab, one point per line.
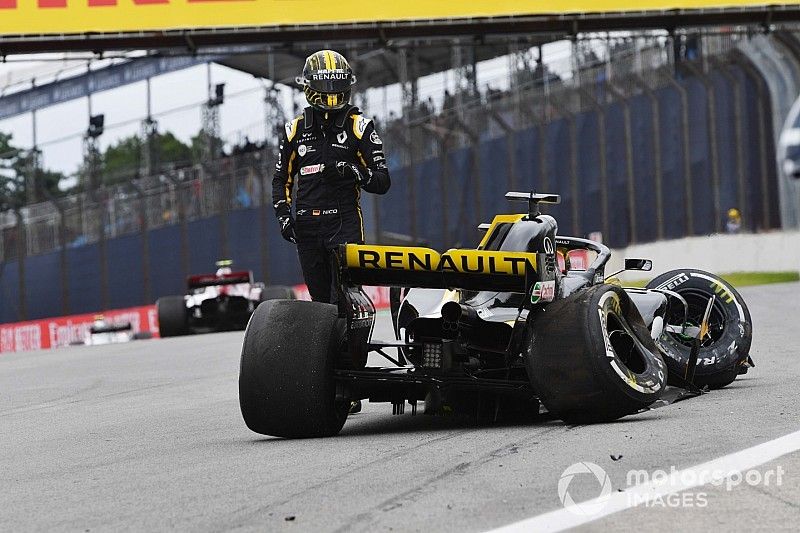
474	270
213	280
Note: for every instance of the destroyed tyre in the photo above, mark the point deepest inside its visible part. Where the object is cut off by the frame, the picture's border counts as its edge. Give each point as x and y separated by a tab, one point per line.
286	382
724	352
590	357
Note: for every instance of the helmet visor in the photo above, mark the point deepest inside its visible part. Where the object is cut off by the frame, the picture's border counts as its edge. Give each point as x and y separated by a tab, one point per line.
330	81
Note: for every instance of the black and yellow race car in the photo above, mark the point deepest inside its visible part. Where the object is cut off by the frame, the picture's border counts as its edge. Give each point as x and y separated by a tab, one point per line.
527	319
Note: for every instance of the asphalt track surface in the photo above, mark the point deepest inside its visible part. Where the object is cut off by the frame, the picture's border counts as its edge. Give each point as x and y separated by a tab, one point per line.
148	436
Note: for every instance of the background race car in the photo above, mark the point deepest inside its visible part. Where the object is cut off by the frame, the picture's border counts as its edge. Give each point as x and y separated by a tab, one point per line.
103	331
215	302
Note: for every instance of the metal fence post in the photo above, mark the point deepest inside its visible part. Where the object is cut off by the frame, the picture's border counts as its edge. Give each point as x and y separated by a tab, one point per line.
657	163
264	216
511	145
99	197
763	127
712	141
184	230
541	130
407	78
177	187
64	260
144	229
229	186
741	197
475	175
629	173
406	138
147	294
443	184
412	186
573	163
21	253
603	149
81	215
687	156
573	170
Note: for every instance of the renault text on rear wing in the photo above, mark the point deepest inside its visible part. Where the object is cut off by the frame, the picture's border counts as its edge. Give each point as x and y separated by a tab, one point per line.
426	268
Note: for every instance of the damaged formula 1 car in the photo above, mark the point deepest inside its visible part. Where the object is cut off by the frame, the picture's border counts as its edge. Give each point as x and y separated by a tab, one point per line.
498	329
221	301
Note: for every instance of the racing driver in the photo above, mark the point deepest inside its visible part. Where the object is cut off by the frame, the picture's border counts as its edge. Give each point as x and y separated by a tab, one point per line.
333	152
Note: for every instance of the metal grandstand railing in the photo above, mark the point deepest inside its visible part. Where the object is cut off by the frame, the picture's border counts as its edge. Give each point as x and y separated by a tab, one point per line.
636	64
166	199
243	181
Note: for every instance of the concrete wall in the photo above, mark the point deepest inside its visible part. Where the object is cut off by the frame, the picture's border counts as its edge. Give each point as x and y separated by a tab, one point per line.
761	252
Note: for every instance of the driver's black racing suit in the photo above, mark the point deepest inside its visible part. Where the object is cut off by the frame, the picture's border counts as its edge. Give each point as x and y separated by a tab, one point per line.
327	207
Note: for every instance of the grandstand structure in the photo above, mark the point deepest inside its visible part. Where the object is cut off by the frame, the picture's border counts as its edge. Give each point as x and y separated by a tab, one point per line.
374	25
648	133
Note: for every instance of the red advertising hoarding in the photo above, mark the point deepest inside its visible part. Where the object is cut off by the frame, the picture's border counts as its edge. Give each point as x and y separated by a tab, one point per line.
64	331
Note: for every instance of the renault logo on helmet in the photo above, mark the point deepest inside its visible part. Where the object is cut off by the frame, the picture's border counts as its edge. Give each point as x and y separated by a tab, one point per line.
330	75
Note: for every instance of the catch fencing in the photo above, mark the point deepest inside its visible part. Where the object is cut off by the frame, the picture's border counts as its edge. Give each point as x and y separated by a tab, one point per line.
636	159
639	152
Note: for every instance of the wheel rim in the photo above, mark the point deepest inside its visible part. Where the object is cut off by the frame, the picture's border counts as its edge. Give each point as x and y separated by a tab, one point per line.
624	345
697	302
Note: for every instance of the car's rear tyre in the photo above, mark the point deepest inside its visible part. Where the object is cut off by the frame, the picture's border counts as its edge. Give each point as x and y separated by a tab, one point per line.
173	318
590	357
723	353
277	292
286	384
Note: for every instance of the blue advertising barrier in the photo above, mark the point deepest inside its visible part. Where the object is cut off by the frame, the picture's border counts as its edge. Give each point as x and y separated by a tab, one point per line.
451	196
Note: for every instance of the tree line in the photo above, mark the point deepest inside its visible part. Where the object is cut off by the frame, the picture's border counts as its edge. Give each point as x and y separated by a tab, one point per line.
23	180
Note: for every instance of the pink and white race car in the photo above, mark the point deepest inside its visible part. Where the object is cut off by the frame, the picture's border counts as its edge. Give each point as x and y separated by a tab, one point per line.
221	301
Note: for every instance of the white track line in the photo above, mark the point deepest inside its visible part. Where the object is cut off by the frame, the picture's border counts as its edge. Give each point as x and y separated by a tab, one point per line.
702	474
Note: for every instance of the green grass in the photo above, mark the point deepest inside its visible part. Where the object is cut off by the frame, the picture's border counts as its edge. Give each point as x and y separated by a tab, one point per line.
742	279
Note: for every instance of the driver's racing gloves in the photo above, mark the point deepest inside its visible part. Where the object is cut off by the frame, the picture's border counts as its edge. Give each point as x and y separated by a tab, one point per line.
362	176
286	221
287	228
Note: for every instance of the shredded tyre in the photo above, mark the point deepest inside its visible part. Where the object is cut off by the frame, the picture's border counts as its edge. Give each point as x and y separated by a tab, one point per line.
724	352
590	357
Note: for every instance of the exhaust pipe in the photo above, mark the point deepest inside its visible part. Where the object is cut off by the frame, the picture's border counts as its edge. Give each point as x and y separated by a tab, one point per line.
455	315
